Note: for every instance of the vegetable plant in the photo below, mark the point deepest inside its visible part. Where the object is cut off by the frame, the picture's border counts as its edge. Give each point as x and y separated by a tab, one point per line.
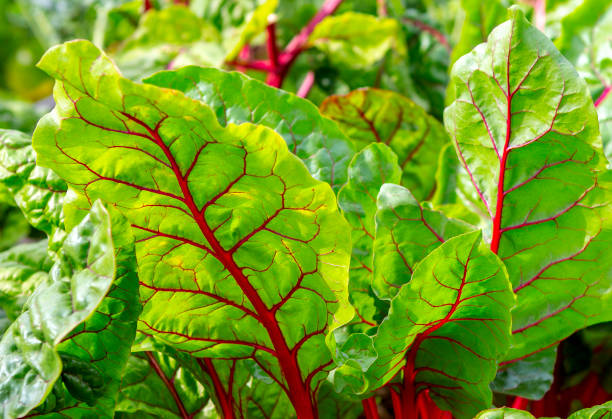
200	243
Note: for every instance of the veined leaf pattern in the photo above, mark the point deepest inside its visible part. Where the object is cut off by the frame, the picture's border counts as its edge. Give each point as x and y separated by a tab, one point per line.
241	253
526	131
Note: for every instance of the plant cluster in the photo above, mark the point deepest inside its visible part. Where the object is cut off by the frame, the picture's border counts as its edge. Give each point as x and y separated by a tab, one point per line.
423	230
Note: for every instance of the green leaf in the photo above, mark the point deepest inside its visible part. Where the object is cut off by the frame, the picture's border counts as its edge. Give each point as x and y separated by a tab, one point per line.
157	384
172	36
526	132
356	40
255	24
86	310
217	213
480	19
371	115
406	232
530	378
603	411
236	98
373	166
37	191
504	413
22	269
447	327
334	405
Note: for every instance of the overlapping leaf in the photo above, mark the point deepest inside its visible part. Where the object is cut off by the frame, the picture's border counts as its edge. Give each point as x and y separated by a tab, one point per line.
79	323
406	232
447	327
236	98
37	191
217	212
526	131
373	166
22	268
372	115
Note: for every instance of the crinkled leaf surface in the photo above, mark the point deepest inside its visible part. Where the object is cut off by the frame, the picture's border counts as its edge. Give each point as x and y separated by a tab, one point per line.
356	40
406	232
22	268
86	311
372	115
373	166
447	327
236	98
37	191
526	131
217	213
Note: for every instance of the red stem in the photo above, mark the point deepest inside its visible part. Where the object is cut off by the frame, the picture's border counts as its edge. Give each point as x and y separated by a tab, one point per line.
179	403
603	95
398	412
271	45
439	36
306	84
520	403
369	408
298	391
224	399
148	5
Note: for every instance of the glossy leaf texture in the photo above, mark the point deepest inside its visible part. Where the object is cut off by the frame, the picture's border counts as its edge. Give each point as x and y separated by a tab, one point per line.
447	327
372	167
22	269
156	384
236	98
356	40
217	213
603	411
406	232
371	115
37	191
526	132
585	41
78	324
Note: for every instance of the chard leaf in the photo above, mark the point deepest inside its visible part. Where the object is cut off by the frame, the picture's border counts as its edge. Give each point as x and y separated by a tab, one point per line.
236	98
373	166
37	191
602	411
447	327
157	384
241	253
372	115
22	269
526	132
83	316
406	232
356	40
256	22
504	413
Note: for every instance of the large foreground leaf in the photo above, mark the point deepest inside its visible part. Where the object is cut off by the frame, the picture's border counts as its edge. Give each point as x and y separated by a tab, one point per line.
241	253
372	115
447	327
79	323
526	131
236	98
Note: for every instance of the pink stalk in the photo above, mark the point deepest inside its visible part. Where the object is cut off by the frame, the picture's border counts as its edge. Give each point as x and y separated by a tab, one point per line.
306	84
439	36
603	95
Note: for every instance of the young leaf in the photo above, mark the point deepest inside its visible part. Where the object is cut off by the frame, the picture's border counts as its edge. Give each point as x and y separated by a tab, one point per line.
22	269
83	315
406	232
217	212
37	191
236	98
356	40
447	327
373	166
504	413
372	115
526	131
